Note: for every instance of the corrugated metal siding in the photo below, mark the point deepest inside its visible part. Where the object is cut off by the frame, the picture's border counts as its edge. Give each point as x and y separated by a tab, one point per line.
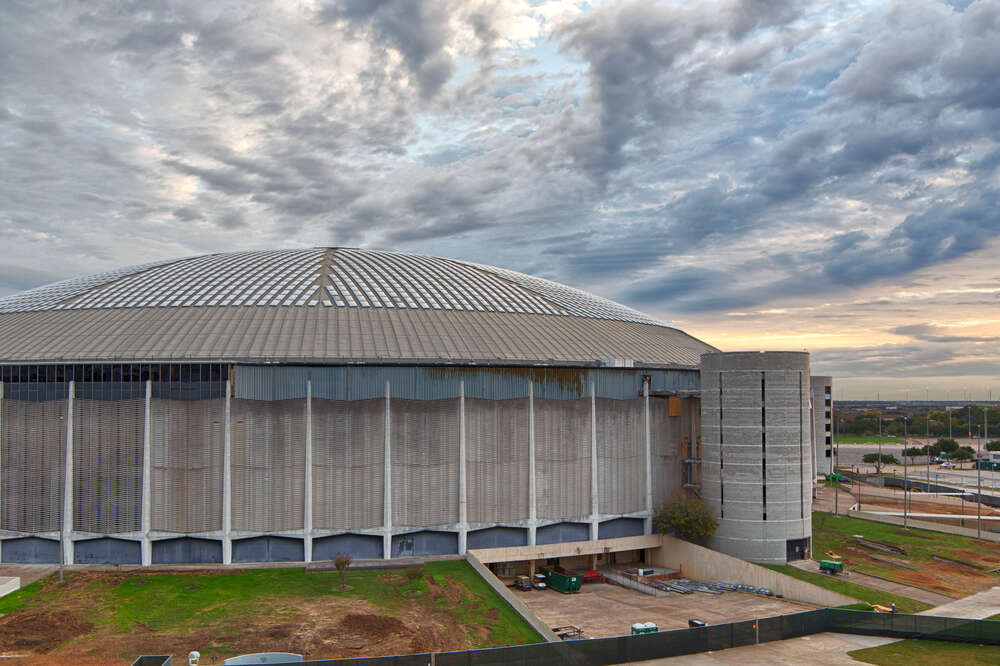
268	465
348	441
107	465
562	451
187	440
424	436
497	460
31	464
621	455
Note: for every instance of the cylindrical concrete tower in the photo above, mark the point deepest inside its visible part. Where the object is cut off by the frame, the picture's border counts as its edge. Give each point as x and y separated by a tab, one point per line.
756	453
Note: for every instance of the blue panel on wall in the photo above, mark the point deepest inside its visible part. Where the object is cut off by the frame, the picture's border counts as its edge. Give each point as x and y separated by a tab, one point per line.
358	546
562	532
497	537
620	527
187	550
268	549
107	551
31	550
419	544
432	383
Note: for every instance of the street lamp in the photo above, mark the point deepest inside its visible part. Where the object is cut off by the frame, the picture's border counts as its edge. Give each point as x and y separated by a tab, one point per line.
906	482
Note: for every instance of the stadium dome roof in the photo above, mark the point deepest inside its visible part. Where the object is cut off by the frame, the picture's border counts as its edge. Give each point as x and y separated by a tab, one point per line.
329	305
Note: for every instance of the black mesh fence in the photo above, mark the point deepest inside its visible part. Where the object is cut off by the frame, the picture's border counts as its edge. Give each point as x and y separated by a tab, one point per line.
623	649
898	625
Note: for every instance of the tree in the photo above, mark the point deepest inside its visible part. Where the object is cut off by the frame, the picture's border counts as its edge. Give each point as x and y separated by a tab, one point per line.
963	453
341	562
880	459
687	517
993	445
945	445
914	451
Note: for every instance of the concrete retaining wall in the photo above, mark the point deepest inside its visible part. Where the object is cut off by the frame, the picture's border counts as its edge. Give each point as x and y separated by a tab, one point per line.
8	585
700	563
511	600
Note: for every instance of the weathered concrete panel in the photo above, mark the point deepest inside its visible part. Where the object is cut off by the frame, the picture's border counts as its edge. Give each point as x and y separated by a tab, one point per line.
620	527
358	546
107	551
418	544
268	549
562	532
187	550
497	537
31	550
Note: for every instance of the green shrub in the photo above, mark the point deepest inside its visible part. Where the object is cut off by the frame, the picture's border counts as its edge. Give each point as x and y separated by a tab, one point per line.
687	517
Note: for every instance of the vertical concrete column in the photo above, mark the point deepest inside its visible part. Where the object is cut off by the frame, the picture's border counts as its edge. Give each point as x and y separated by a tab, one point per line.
532	488
67	517
647	524
463	495
594	486
387	492
147	467
307	512
227	479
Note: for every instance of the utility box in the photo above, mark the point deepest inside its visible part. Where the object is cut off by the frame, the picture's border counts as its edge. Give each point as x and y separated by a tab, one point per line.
673	406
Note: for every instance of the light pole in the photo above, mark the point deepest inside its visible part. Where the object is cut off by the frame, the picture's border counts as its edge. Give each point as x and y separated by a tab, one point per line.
979	478
878	466
906	482
927	446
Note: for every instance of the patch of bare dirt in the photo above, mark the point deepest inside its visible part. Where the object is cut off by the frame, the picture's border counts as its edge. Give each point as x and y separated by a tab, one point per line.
323	627
39	632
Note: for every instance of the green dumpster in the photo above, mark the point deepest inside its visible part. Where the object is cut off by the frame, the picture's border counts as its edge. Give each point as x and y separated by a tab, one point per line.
565	583
831	566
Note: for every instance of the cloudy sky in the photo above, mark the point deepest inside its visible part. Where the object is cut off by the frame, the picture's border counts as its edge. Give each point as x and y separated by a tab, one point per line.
765	175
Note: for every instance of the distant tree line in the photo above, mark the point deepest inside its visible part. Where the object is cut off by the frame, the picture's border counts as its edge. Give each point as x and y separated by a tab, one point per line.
936	422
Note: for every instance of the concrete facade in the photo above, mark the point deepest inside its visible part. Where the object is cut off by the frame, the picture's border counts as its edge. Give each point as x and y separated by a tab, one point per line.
757	453
298	464
822	420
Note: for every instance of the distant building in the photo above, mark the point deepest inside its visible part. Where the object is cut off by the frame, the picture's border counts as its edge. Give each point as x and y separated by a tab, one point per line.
822	420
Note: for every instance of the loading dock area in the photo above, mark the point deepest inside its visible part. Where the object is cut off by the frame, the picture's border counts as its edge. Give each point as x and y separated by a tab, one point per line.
603	610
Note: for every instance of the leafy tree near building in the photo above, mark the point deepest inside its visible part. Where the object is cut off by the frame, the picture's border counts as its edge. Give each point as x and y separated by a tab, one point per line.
687	517
993	445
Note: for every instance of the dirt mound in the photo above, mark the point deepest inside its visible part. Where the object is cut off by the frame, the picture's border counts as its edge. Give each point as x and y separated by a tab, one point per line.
39	631
363	624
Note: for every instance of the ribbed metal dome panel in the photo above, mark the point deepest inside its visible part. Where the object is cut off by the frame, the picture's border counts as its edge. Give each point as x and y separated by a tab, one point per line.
329	305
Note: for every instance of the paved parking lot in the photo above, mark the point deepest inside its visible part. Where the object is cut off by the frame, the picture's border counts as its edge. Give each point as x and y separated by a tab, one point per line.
608	610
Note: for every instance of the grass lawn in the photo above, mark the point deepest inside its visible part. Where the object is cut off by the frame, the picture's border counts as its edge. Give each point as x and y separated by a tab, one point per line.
224	605
854	590
831	533
872	439
929	653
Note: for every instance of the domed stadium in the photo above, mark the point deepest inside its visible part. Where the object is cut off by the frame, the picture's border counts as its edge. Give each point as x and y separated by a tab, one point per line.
290	405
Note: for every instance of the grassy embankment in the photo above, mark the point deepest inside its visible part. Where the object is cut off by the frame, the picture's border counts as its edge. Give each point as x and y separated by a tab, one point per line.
831	533
853	590
231	601
868	439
